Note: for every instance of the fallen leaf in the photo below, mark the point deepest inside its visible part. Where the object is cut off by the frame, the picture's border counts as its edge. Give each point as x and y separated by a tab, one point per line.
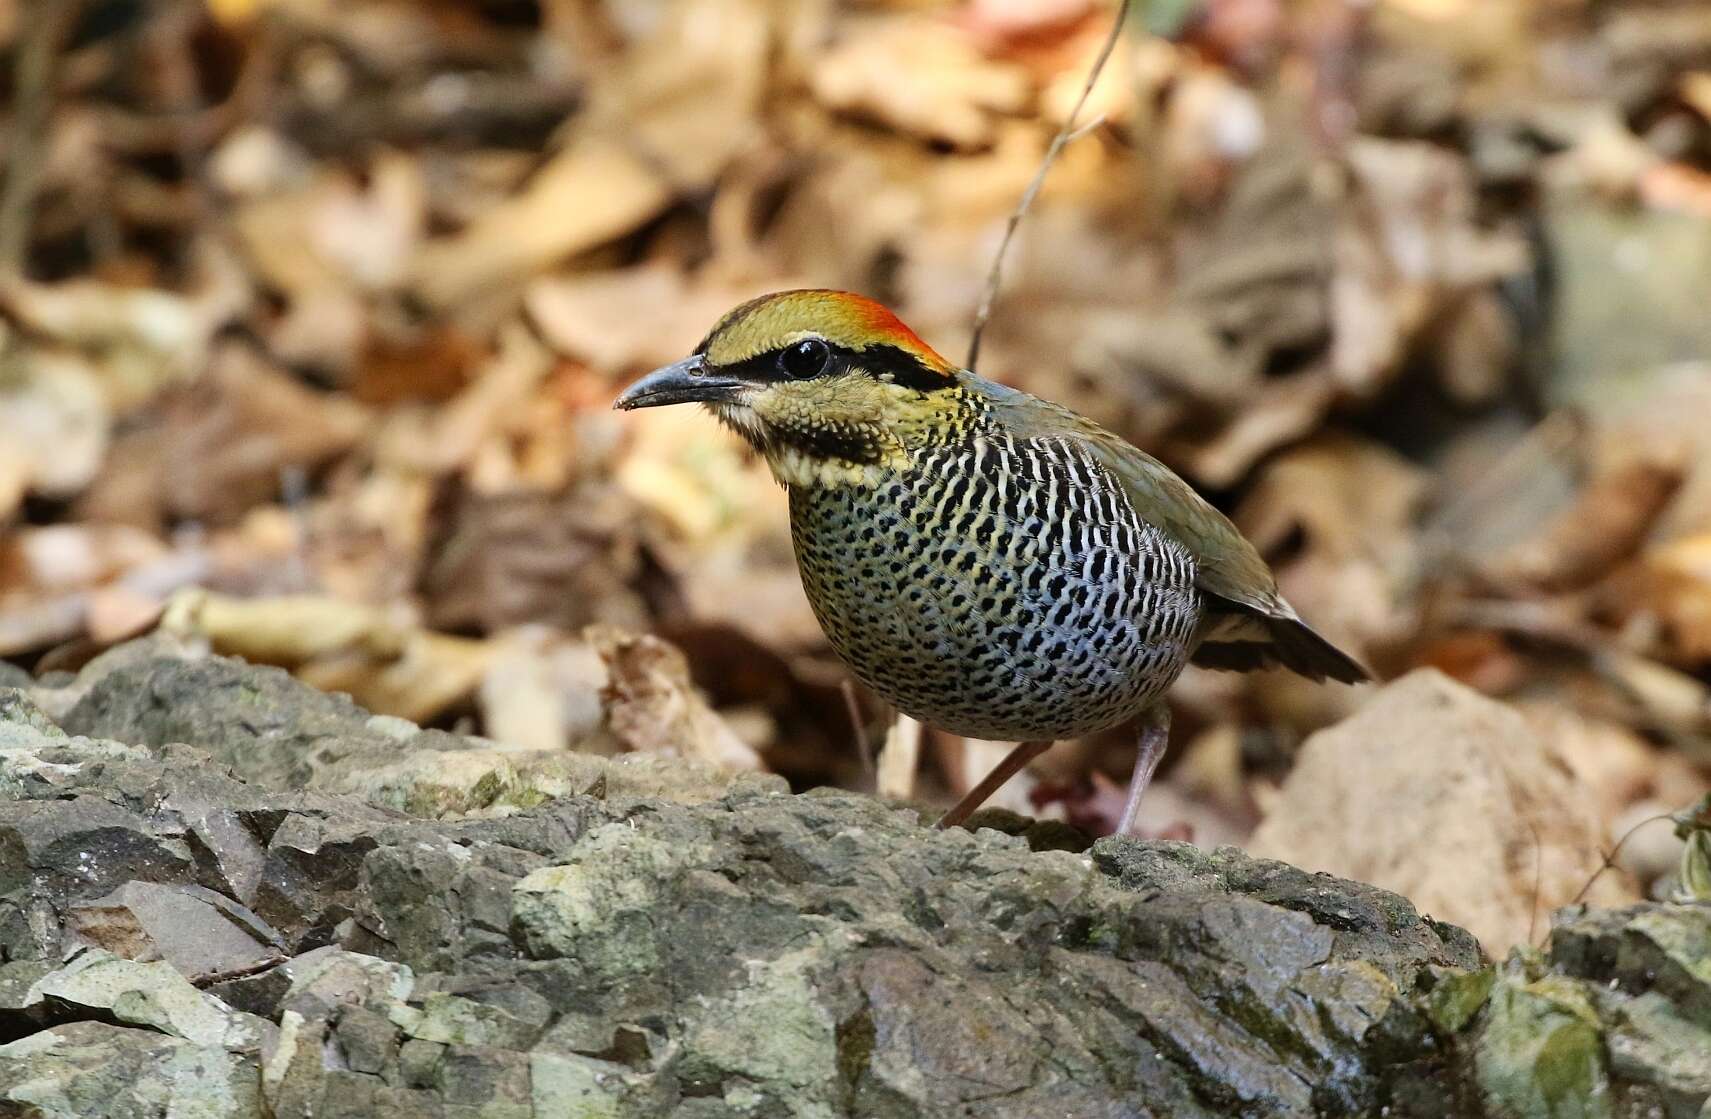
54	423
1606	525
654	708
594	190
921	76
673	115
386	663
229	437
1677	588
544	691
1410	246
562	559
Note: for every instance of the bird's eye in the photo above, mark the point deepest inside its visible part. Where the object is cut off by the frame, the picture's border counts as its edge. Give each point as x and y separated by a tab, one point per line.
805	359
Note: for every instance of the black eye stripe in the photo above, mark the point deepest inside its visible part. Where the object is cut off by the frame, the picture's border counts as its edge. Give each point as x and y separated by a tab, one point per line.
903	367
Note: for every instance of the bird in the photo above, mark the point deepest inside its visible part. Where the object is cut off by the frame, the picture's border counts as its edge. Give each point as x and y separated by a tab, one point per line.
990	563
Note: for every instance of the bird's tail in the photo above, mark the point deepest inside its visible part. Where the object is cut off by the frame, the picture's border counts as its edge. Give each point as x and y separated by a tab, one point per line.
1300	649
1241	639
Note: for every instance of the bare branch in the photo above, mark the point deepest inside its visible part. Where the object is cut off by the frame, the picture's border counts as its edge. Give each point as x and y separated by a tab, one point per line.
1068	132
852	707
1609	861
46	28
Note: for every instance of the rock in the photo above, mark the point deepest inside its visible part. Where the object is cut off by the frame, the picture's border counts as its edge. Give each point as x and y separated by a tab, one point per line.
1653	1045
1449	799
1608	333
1648	947
95	1069
1648	970
53	853
1538	1045
270	729
607	948
445	905
146	994
21	1013
276	732
204	935
23	723
841	961
11	676
1612	1021
84	817
494	780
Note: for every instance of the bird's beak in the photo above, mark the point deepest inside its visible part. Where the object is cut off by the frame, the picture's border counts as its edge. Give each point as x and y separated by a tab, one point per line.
679	383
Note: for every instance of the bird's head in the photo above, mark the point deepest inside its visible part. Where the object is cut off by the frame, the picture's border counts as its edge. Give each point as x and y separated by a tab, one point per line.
831	387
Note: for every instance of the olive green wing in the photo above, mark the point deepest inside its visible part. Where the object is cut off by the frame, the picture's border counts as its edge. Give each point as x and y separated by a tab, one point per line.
1247	624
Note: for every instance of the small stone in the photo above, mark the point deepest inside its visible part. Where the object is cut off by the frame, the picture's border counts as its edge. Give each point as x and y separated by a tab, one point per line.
205	936
419	1062
567	1084
1430	790
369	1042
1654	946
455	1021
91	1068
147	994
330	977
595	907
1651	1042
1540	1045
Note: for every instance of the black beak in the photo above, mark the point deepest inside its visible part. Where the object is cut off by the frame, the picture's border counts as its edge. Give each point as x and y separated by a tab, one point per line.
679	383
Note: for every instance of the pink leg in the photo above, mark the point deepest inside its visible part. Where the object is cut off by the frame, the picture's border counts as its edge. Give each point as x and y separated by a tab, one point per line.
1002	772
1155	734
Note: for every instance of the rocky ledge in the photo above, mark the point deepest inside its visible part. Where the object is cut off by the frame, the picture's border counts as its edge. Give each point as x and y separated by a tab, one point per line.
378	920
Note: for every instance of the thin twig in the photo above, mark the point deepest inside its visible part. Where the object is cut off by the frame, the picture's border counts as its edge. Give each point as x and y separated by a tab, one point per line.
1609	862
1067	133
852	705
1538	880
47	27
1084	130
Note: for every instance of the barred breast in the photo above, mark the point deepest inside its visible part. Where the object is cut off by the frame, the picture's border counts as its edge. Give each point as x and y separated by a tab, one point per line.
1000	588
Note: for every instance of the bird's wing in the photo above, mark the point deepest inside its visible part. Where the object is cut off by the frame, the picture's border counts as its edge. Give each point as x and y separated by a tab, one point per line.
1248	623
1228	566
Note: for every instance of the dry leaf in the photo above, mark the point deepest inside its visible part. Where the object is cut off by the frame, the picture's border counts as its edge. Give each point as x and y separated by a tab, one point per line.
1677	589
593	191
546	692
1410	246
653	707
448	438
592	317
920	76
1605	526
509	559
386	664
1348	510
53	426
669	121
229	438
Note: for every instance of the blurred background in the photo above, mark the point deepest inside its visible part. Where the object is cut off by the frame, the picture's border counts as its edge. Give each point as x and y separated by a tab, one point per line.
311	314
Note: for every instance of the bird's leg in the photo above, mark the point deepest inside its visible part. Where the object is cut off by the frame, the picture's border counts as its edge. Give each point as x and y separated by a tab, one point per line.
1155	733
1013	762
